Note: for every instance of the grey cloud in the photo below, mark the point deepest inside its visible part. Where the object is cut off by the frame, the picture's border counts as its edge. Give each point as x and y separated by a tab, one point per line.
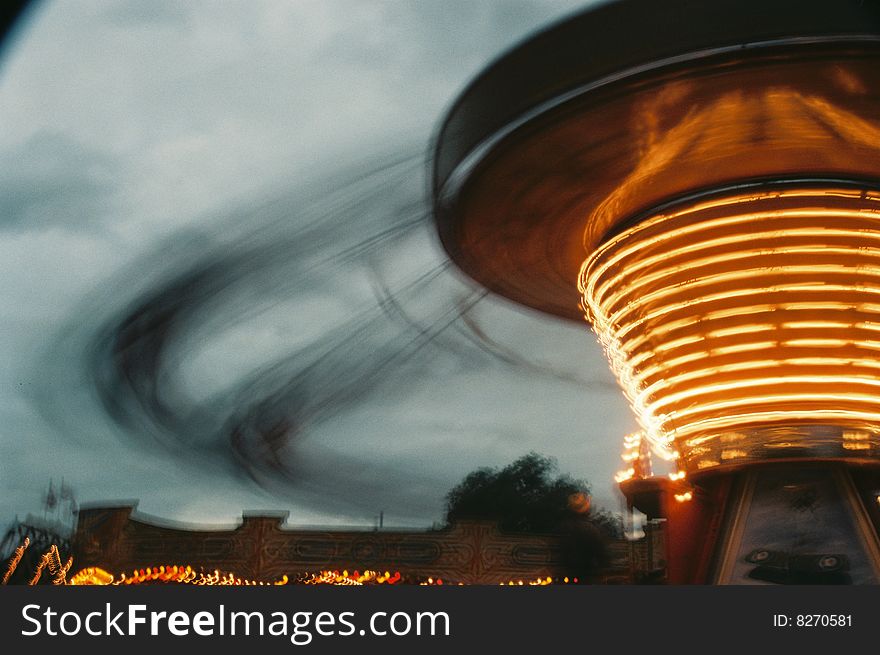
53	180
227	213
129	14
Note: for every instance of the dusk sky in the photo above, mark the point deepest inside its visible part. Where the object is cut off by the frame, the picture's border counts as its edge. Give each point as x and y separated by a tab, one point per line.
221	286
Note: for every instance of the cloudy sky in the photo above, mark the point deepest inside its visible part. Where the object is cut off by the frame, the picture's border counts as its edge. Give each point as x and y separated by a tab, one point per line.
221	289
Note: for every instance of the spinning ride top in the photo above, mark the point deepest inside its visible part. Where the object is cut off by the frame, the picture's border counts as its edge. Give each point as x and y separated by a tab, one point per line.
701	181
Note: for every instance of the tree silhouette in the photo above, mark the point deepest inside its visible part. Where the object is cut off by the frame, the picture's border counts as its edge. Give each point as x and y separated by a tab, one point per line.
529	495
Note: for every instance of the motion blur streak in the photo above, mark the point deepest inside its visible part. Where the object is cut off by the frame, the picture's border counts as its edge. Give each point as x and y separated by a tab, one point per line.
134	358
389	313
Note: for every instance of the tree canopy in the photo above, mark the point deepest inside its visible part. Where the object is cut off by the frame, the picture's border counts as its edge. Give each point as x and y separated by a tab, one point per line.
527	495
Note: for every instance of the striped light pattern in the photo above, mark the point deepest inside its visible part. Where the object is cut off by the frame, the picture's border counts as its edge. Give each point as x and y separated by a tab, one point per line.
747	326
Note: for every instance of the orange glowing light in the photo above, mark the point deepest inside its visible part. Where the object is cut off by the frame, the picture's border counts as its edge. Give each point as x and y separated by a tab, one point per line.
751	319
15	559
91	576
188	575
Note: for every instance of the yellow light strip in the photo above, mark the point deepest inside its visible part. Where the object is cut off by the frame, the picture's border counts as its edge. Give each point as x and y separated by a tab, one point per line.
600	291
674	381
721	424
754	218
695	300
601	287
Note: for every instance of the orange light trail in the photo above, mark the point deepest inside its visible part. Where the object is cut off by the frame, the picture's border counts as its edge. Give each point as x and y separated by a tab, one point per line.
172	574
15	559
743	315
187	575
